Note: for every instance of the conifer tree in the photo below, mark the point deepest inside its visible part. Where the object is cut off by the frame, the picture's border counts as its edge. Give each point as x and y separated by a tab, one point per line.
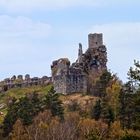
130	99
96	110
53	103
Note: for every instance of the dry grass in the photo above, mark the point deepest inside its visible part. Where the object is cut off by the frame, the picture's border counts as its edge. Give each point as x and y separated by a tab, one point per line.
82	100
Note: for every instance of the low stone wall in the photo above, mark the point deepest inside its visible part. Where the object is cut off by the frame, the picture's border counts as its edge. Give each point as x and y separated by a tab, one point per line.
18	81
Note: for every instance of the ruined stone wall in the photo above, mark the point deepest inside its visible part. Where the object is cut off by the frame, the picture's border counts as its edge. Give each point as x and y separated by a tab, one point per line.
81	76
68	79
19	82
59	83
76	81
70	83
60	69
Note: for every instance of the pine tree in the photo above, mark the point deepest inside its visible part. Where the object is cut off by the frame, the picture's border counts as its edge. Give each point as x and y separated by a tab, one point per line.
107	112
96	110
25	109
103	82
53	103
130	100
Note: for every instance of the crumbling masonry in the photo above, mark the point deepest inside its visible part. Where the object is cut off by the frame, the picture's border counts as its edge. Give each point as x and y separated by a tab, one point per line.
78	77
81	76
19	82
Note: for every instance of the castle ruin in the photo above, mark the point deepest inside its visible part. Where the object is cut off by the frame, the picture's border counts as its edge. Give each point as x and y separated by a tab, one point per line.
81	76
67	78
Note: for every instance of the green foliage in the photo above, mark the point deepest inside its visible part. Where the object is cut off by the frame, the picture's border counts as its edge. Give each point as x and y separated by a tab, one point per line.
107	113
96	110
130	100
53	103
110	116
17	93
130	137
103	82
22	92
9	120
25	109
105	78
134	73
130	110
92	135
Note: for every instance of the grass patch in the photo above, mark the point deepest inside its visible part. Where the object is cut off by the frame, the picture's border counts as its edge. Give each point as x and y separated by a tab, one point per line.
18	93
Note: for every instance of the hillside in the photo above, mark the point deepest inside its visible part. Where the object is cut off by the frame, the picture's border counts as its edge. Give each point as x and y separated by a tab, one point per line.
39	112
77	99
18	93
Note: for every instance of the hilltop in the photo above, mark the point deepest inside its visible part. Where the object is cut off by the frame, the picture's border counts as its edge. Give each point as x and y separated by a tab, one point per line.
6	97
82	101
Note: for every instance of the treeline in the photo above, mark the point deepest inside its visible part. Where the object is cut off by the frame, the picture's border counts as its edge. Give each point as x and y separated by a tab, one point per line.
114	116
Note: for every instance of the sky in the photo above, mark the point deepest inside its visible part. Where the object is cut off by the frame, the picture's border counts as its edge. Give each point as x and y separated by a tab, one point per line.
33	33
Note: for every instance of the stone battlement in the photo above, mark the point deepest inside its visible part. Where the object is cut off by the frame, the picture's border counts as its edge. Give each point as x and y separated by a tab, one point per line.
19	81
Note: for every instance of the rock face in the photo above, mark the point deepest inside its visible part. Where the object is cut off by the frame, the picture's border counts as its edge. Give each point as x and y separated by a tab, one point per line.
81	76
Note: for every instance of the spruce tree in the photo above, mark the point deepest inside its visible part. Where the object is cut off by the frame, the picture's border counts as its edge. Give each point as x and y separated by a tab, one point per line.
96	110
53	103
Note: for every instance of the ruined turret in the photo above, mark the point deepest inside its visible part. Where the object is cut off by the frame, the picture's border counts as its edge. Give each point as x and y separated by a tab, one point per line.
96	55
95	40
95	61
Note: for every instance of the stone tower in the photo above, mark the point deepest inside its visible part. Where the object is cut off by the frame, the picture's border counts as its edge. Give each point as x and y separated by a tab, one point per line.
95	40
96	60
60	69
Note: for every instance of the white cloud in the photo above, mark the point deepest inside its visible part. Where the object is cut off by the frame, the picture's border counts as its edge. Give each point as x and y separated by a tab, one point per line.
24	41
22	27
21	44
28	5
123	43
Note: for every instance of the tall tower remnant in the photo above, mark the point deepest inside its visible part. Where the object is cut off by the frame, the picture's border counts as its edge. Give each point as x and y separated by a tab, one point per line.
95	40
80	53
